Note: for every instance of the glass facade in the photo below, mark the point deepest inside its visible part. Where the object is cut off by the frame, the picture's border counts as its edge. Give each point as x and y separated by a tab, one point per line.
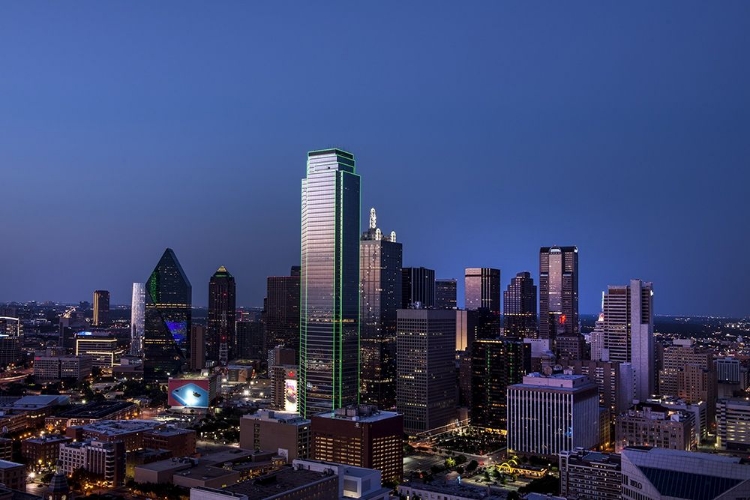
380	281
558	292
329	283
168	318
519	307
281	313
221	339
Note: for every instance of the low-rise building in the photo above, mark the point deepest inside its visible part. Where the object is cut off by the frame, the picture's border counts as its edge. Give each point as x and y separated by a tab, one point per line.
274	430
51	368
43	451
589	474
13	475
104	459
180	442
130	432
650	424
733	424
662	474
91	413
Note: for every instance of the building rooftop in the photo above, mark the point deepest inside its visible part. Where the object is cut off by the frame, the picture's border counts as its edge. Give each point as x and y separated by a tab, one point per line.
34	402
115	427
51	438
171	431
278	416
461	490
284	479
96	410
554	381
361	413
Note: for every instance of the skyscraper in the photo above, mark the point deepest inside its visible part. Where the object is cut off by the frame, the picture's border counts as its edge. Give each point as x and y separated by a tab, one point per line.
137	319
626	333
281	313
101	307
519	307
482	289
446	293
426	388
558	292
329	283
418	288
168	318
495	365
380	279
220	335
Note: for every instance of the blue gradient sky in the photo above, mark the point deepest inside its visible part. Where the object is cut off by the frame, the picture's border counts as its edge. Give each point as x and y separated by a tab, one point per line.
482	131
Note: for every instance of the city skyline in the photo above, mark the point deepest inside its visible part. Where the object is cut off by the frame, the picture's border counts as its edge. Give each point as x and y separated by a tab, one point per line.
631	148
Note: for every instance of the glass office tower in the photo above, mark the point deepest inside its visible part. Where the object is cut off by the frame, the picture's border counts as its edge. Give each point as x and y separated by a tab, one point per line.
168	318
329	283
221	338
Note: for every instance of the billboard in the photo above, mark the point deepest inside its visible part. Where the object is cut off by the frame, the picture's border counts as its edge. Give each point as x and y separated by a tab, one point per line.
290	395
188	393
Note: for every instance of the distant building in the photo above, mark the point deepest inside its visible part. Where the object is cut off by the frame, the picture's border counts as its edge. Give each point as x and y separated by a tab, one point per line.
558	292
662	474
251	339
281	314
731	377
169	298
101	346
101	308
482	300
549	414
495	365
220	331
104	459
51	368
197	347
446	293
627	332
137	319
733	424
286	433
590	474
426	387
180	442
689	372
380	298
362	436
519	307
650	424
418	288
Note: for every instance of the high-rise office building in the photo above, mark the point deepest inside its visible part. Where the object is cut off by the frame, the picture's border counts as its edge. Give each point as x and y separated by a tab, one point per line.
380	281
329	283
197	347
101	308
495	365
251	341
418	288
169	297
425	354
446	293
650	424
361	436
549	414
137	319
281	313
482	289
626	333
220	331
558	292
519	307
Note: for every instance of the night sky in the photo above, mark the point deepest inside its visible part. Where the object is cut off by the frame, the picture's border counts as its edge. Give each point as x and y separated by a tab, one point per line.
482	131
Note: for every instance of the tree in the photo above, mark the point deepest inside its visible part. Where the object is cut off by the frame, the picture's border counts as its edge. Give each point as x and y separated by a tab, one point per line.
472	466
461	459
543	485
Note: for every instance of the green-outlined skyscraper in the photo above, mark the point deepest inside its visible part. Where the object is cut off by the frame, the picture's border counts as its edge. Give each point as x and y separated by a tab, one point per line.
329	283
168	318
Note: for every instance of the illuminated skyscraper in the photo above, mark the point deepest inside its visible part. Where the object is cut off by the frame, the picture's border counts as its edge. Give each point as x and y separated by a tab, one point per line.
558	292
168	318
137	319
101	308
220	334
482	289
329	283
380	278
519	307
445	293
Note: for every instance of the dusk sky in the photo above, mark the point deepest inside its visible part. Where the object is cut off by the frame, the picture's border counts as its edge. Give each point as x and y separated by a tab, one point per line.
482	131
